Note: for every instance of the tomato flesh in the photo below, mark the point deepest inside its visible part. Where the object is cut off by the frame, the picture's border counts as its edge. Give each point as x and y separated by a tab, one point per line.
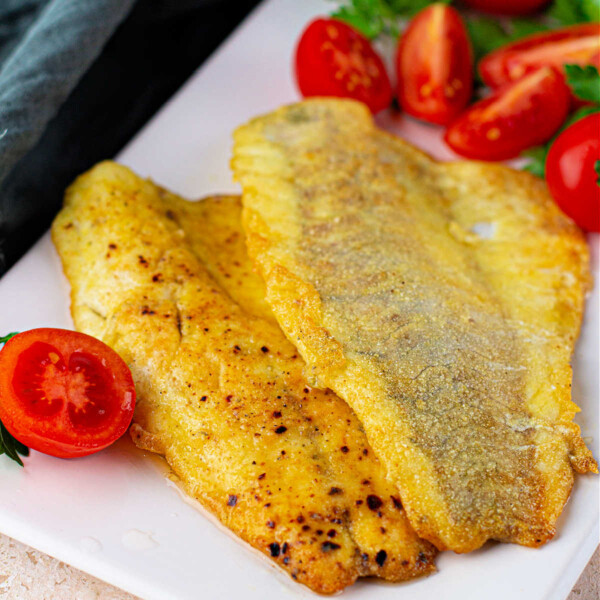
523	114
64	393
570	173
579	45
434	65
333	59
507	7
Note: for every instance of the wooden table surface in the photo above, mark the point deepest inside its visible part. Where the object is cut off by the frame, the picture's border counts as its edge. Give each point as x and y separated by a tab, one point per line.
26	574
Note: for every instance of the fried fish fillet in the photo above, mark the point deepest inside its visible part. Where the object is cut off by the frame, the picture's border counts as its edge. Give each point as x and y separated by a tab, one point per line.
221	392
441	301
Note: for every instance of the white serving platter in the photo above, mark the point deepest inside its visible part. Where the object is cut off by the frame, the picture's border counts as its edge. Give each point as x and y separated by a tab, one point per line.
116	515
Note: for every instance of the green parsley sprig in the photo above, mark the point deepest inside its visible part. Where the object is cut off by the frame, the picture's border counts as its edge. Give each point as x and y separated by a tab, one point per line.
384	17
571	12
8	444
11	446
584	81
488	34
5	339
375	17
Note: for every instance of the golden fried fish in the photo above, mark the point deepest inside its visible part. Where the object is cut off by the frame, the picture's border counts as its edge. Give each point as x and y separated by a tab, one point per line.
221	392
441	301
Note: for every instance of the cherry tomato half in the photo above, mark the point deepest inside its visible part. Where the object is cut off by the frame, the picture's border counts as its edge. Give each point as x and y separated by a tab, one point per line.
64	393
579	45
507	7
434	65
332	59
570	173
522	114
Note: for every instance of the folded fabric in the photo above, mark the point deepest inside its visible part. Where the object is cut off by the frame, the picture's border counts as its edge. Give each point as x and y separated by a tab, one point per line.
47	45
47	63
78	79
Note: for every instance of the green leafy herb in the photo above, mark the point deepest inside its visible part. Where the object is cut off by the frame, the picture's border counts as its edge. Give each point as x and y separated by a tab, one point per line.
566	12
537	162
488	34
584	81
375	17
584	111
5	339
571	12
591	9
11	447
597	169
408	8
520	28
370	17
8	444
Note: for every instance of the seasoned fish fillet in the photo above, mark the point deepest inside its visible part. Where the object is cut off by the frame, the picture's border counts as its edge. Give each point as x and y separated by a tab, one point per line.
441	301
221	392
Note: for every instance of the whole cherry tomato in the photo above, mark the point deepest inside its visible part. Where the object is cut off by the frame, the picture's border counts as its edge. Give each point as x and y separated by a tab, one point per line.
64	393
579	45
333	59
571	172
507	7
522	114
434	65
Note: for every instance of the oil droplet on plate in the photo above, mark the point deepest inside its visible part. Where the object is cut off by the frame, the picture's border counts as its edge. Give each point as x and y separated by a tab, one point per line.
90	544
134	539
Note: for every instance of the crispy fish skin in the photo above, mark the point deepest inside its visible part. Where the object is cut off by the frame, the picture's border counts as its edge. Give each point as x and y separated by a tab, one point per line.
221	392
452	349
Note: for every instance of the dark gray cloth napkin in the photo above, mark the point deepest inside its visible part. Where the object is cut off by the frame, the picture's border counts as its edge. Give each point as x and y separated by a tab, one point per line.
46	64
78	78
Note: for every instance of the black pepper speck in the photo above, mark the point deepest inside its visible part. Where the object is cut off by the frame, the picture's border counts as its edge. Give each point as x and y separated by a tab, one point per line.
329	546
396	502
374	502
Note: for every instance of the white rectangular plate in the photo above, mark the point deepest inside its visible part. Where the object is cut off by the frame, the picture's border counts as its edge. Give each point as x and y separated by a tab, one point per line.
115	515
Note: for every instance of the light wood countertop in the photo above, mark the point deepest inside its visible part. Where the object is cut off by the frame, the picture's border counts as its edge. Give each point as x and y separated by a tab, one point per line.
26	574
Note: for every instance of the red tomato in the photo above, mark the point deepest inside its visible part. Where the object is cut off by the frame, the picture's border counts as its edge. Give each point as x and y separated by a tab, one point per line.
579	45
570	173
434	65
332	59
522	114
64	393
507	7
